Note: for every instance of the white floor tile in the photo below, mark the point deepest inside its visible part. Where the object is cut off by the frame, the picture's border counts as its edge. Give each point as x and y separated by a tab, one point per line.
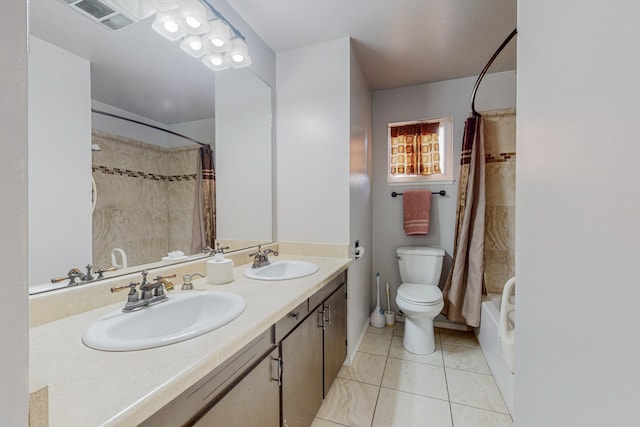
477	390
366	367
399	409
466	416
350	403
418	378
376	342
453	337
318	422
397	351
465	358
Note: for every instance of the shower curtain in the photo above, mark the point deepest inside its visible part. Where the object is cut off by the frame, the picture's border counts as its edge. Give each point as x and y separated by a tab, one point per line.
204	217
464	286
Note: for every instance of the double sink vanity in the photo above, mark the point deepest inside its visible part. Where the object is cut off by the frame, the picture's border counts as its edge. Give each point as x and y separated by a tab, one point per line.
258	351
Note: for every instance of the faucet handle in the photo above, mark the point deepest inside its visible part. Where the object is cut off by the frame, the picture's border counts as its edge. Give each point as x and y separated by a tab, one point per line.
163	279
131	286
101	272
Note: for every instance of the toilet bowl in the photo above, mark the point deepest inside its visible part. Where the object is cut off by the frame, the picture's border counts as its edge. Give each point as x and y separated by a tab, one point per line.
420	305
418	296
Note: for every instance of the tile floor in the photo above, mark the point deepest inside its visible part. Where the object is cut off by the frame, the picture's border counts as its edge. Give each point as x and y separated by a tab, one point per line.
387	386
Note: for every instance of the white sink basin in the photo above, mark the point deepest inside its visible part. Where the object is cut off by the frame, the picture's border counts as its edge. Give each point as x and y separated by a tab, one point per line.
281	270
181	317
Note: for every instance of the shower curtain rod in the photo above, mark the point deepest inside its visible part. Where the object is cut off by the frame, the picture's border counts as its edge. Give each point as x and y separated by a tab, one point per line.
93	110
486	67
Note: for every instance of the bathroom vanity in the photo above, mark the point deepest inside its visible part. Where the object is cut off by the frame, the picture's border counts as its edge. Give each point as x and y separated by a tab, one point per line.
288	345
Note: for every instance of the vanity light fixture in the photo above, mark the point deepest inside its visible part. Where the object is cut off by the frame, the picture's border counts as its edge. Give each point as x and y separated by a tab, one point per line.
221	44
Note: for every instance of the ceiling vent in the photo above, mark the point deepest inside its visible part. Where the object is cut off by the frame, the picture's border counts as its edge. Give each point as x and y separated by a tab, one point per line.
113	14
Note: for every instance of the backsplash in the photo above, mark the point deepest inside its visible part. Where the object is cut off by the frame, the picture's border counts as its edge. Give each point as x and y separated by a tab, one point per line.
500	155
145	199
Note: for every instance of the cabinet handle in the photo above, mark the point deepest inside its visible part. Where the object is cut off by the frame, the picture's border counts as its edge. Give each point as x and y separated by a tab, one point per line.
278	360
321	319
328	309
295	315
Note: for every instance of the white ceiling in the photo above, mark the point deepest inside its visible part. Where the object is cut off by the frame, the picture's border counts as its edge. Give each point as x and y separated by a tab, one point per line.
397	42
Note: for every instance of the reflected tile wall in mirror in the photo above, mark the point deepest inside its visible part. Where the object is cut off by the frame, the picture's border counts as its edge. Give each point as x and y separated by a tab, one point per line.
145	201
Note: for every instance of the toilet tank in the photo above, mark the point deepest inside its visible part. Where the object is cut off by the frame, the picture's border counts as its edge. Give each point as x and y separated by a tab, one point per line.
420	264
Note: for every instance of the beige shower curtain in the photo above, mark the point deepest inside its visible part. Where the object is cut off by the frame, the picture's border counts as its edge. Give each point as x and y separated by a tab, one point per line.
464	286
204	217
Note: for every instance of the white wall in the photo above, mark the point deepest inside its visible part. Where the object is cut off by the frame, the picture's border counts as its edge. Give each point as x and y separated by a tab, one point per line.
360	206
200	130
59	162
323	159
243	157
434	100
578	204
312	149
14	312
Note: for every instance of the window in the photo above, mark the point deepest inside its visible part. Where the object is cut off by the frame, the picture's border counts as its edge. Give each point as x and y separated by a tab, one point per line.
420	151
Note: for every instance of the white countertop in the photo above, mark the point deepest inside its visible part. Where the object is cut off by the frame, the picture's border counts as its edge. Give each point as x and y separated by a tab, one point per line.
96	388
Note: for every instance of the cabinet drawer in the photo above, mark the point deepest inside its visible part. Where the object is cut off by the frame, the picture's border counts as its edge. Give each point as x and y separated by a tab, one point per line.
317	298
287	323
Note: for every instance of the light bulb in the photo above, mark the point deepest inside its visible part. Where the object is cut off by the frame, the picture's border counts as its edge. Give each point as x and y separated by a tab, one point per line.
215	60
195	45
237	57
217	42
192	21
170	26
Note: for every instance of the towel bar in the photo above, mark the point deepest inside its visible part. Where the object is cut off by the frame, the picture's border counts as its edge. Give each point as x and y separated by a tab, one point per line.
441	192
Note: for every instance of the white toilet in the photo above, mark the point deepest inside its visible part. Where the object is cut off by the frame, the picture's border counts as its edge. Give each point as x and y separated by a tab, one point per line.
419	296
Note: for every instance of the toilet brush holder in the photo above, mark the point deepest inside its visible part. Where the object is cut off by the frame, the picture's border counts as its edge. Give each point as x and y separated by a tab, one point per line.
377	319
390	318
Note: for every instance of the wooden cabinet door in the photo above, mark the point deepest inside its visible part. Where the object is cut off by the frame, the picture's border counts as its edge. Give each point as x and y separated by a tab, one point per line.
335	335
301	353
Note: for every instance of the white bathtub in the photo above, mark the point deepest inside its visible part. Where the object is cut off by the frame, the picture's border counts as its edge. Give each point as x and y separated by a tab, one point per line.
488	337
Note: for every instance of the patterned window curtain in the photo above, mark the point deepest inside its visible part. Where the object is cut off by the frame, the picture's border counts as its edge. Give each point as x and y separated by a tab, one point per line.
204	220
464	286
415	149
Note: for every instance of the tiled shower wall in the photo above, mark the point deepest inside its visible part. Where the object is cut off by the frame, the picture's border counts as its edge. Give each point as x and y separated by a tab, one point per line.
500	148
145	199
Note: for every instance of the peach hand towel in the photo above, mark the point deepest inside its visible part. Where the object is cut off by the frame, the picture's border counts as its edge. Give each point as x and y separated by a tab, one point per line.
417	210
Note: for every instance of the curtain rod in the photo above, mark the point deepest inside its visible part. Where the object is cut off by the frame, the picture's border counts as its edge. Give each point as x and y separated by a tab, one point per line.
93	110
486	67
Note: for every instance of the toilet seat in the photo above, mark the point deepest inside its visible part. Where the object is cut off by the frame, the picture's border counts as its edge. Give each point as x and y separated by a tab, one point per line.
420	294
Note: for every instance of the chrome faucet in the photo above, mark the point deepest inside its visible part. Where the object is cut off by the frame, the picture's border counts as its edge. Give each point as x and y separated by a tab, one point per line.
150	292
261	258
211	252
75	274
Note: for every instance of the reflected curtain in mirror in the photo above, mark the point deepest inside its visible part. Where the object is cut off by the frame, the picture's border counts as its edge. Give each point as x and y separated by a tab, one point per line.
204	220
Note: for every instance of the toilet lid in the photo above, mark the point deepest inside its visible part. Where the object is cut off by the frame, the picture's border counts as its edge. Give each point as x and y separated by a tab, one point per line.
420	294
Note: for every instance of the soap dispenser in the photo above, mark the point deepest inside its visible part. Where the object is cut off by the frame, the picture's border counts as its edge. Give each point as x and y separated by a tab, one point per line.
219	269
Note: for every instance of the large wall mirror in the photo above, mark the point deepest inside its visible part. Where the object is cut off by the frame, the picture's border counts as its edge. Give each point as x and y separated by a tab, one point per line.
105	189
